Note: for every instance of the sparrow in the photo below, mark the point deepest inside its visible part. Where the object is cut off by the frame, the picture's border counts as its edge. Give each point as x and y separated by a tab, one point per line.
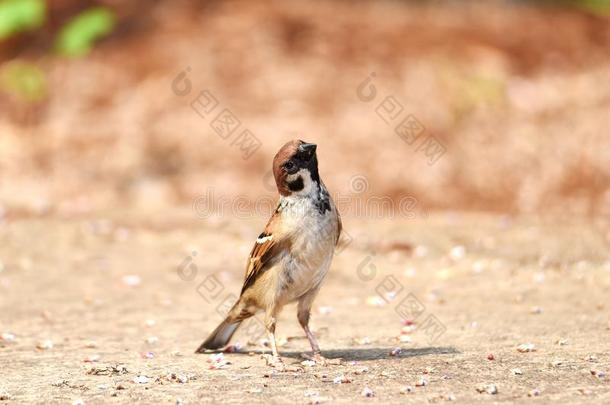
291	257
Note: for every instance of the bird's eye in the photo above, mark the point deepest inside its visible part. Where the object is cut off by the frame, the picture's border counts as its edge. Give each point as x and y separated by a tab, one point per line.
289	165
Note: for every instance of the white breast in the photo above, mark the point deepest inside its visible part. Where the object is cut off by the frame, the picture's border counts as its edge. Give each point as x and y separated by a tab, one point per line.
313	244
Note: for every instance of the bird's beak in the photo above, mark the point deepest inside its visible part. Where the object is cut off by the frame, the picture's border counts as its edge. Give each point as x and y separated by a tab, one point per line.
307	149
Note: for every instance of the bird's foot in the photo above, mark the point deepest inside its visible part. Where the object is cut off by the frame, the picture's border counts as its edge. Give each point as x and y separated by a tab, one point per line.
319	359
274	361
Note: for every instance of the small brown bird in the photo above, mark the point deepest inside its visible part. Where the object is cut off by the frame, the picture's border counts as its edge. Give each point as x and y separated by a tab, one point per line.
291	257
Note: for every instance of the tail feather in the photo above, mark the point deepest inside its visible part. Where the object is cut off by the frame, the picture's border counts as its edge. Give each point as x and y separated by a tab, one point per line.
221	335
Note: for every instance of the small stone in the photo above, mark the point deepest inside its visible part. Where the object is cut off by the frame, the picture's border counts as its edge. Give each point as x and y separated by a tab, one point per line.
561	342
367	392
422	382
182	379
516	371
342	379
8	337
598	373
361	371
90	344
395	352
78	402
407	389
362	341
325	310
45	345
534	393
141	379
375	301
147	355
92	358
150	323
132	280
4	395
457	252
420	251
405	339
535	310
526	348
488	388
490	356
151	340
308	363
234	348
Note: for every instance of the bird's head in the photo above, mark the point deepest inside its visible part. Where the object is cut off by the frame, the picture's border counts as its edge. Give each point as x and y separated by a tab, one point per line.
295	168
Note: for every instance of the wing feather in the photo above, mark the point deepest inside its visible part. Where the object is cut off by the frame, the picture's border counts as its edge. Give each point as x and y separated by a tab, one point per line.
267	249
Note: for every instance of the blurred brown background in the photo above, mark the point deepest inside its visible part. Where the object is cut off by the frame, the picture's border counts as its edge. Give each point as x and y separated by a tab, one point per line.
517	93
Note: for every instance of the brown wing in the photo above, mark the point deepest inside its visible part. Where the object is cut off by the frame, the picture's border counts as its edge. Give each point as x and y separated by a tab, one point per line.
267	249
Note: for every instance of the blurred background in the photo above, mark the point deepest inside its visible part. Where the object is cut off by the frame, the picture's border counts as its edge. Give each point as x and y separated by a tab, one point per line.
103	103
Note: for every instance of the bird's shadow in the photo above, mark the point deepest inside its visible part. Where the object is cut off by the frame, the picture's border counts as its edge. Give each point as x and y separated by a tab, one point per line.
372	353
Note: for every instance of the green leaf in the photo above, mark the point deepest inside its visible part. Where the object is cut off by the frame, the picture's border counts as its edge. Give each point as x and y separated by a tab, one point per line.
24	80
20	15
76	38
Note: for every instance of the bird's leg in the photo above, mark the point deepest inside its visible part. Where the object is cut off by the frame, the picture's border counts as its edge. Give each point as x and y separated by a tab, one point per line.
303	313
270	321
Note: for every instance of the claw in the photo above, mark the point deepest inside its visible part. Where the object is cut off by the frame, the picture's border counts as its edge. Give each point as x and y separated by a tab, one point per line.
317	357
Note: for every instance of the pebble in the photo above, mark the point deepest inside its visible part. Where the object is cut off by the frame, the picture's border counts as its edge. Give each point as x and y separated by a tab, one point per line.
90	344
342	379
457	252
361	370
78	402
308	363
407	389
535	310
151	340
420	251
526	347
218	361
598	373
362	341
234	348
405	339
516	371
367	392
150	323
396	352
490	356
147	355
4	395
422	382
325	310
8	337
132	280
488	388
92	358
562	342
375	301
45	345
141	379
534	393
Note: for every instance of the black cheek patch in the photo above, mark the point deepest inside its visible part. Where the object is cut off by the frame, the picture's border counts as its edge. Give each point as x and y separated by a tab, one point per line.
296	185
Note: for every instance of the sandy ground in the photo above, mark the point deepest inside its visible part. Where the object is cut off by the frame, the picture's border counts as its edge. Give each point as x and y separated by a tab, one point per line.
123	322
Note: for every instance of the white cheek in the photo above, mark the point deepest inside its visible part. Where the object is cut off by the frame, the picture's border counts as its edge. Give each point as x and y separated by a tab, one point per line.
307	182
